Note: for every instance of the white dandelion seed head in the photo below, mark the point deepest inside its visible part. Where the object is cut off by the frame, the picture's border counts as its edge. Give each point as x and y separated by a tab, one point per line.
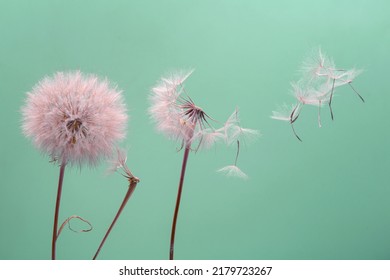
75	118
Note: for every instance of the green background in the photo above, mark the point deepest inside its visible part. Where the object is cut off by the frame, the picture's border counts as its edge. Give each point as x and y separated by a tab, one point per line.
325	198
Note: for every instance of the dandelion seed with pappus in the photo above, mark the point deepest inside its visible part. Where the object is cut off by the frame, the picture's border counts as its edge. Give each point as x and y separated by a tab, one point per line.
320	78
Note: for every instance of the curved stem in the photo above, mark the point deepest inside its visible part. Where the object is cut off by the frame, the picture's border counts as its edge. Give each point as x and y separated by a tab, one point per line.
67	222
183	171
133	184
57	210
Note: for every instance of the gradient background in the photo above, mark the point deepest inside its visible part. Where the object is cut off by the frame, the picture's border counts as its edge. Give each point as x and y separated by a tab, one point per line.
325	198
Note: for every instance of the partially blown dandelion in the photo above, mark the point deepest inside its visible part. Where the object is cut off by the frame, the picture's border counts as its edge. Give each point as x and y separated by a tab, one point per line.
75	119
177	116
317	87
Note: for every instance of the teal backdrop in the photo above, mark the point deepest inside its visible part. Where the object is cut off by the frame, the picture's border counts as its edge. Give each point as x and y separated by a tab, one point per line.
325	198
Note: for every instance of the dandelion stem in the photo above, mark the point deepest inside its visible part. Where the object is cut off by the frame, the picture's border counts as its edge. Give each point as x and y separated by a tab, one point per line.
133	183
183	171
57	210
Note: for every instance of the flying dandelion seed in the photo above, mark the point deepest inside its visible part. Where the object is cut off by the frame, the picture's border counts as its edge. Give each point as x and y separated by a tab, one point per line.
320	78
233	170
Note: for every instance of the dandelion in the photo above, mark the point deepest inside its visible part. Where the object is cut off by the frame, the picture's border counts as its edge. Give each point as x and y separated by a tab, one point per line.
320	78
178	117
75	119
118	164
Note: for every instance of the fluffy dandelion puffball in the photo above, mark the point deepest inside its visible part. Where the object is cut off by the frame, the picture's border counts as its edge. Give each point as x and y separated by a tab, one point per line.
74	118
